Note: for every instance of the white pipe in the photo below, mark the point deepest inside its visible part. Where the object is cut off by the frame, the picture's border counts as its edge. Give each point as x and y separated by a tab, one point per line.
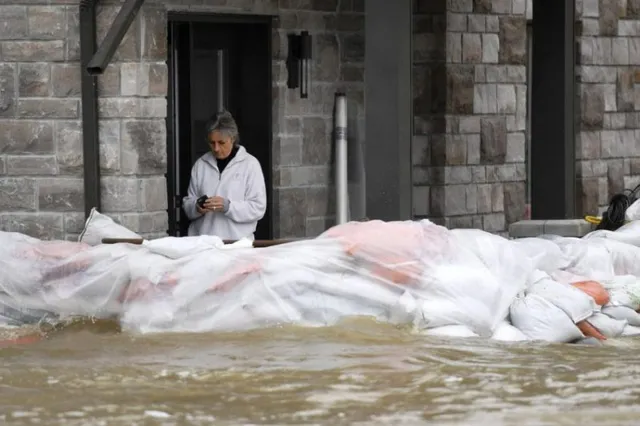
340	132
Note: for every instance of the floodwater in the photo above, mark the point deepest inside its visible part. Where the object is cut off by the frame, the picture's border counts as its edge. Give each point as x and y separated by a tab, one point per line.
358	373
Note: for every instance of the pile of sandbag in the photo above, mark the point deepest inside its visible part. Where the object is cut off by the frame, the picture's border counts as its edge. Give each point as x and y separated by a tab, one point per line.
465	283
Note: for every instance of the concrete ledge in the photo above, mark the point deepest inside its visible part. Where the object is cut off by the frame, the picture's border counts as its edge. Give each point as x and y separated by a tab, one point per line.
563	228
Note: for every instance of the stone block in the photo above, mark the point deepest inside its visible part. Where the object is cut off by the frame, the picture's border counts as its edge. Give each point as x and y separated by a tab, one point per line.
526	228
352	47
291	212
47	22
109	81
34	80
485	99
473	149
68	141
625	96
615	176
130	47
471	48
590	8
494	222
598	74
153	107
477	23
109	137
316	141
484	198
120	194
493	24
588	196
153	193
3	165
633	9
326	58
567	227
145	223
457	175
45	226
134	79
158	79
299	176
25	165
493	140
7	90
610	103
453	54
32	51
455	200
48	108
516	147
73	222
597	51
144	147
513	40
17	194
14	25
506	98
460	89
321	201
154	43
420	201
119	107
455	150
497	197
60	194
472	198
26	137
620	51
456	22
482	6
288	150
317	225
72	39
592	106
608	19
65	80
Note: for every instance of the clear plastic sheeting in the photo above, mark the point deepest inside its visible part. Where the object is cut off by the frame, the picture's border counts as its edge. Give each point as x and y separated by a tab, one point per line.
459	283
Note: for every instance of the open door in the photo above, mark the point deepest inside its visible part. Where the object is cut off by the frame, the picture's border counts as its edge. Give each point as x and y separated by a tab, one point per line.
215	62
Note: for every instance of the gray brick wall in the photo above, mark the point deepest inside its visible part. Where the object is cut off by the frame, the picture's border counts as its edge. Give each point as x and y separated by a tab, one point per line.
608	144
41	187
470	112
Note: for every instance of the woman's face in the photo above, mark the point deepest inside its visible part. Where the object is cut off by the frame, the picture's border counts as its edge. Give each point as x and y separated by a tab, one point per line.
220	145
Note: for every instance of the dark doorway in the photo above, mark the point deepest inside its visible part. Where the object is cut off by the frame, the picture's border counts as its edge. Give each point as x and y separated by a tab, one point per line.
217	61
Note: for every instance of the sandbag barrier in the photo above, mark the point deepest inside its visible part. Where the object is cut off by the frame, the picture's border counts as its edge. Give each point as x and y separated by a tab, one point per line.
442	282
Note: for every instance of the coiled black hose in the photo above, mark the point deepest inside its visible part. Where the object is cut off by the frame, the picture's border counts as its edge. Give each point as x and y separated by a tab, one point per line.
614	217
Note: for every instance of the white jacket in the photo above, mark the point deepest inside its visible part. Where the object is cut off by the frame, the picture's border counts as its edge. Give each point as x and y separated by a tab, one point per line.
241	183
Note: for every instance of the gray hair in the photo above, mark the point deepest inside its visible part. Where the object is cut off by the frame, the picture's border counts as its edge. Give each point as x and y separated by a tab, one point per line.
224	123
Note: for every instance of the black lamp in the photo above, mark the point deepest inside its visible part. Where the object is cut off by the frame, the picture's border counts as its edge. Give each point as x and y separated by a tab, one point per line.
299	63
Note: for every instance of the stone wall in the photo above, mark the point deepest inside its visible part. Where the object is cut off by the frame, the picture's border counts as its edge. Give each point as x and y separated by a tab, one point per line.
41	186
470	112
608	143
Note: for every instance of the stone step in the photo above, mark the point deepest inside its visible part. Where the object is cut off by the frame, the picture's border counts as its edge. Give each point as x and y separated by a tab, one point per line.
561	227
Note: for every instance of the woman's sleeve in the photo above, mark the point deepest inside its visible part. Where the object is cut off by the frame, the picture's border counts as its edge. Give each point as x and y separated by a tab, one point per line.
254	205
189	202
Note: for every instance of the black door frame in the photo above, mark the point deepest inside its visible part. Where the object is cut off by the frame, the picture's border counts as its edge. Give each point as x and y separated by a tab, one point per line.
212	18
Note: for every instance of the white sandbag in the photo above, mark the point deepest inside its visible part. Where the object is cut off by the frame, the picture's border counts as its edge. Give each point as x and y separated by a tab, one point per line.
575	303
544	253
624	290
451	331
633	211
99	226
540	319
175	248
505	332
622	313
588	258
608	326
630	330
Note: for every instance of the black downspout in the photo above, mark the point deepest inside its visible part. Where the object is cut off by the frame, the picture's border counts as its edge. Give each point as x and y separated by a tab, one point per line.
101	58
89	85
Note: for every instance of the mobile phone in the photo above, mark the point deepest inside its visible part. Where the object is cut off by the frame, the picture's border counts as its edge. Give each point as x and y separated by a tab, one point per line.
200	201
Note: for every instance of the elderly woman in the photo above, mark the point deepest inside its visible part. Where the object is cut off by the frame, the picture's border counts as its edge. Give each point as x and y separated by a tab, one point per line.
227	194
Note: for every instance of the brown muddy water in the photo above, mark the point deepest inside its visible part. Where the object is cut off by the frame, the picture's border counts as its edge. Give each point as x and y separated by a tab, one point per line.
358	373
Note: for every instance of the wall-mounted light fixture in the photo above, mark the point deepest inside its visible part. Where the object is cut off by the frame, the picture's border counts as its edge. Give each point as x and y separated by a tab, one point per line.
299	63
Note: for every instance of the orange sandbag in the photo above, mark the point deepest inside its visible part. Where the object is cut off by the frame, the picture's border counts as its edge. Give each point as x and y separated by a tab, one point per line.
590	331
595	290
